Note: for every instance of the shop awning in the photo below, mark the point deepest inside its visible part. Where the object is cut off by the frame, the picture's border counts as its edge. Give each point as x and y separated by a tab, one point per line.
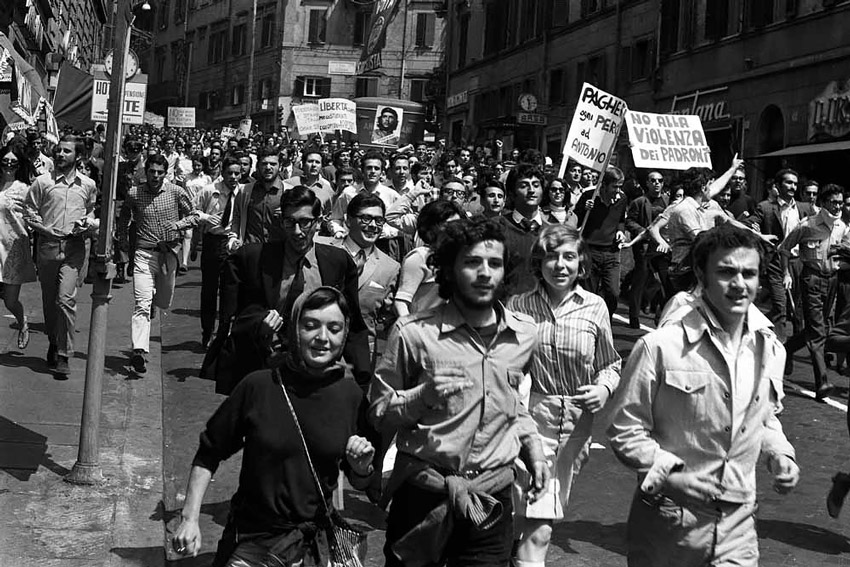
809	149
27	77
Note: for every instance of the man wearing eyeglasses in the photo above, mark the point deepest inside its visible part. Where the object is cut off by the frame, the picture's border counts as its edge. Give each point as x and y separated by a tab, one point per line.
742	204
262	280
377	272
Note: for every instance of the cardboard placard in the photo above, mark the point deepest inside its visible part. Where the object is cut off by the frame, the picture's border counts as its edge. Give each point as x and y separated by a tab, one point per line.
594	128
667	141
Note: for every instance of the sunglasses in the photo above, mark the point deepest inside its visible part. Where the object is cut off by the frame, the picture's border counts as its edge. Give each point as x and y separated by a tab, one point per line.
9	162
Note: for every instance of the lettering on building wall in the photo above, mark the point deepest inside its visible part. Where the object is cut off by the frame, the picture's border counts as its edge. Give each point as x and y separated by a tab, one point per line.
708	105
829	112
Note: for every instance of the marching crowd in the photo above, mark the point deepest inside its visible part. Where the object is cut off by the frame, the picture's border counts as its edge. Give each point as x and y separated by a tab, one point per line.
471	294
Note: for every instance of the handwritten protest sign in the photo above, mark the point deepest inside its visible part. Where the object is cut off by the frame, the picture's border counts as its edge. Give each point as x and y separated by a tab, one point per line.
667	141
594	129
228	132
306	118
244	128
181	116
337	114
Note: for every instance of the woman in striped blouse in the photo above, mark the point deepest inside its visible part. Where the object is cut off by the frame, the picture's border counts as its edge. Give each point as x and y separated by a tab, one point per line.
573	374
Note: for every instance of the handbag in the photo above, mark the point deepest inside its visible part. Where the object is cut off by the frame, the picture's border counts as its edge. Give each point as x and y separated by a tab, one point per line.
347	544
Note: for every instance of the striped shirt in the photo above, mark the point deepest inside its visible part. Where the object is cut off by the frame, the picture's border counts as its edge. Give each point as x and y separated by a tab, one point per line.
575	343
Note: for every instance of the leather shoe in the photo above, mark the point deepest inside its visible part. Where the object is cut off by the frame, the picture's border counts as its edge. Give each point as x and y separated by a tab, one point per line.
138	361
634	322
835	498
789	364
824	390
61	370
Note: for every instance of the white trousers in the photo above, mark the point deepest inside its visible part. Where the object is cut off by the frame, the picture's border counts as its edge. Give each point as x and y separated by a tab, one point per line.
153	283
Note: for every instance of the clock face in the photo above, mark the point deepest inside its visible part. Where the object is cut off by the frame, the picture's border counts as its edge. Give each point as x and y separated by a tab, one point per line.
528	102
131	64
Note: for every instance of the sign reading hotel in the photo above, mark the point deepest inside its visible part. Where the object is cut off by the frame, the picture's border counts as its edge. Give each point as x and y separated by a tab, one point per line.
594	129
667	141
134	101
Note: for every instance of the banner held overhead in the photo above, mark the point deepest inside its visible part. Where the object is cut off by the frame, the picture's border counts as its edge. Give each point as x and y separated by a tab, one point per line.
594	129
667	141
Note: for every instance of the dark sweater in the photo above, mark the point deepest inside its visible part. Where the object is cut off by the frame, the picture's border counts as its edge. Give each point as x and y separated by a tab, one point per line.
603	221
276	488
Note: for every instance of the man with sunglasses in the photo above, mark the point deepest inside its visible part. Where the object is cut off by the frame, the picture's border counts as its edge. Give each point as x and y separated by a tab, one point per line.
262	280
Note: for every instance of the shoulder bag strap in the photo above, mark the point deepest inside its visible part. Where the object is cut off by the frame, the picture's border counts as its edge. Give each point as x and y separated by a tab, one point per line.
303	444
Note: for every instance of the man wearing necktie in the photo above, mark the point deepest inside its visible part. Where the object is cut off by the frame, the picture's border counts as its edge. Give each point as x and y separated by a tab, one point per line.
262	281
215	206
525	185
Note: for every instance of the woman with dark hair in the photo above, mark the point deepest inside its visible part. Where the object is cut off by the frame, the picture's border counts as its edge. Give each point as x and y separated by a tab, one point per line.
556	204
574	372
277	506
16	263
417	289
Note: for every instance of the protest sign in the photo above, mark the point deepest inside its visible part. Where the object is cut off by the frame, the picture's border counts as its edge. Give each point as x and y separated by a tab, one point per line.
228	132
667	141
594	129
387	128
181	117
154	120
306	118
244	128
337	114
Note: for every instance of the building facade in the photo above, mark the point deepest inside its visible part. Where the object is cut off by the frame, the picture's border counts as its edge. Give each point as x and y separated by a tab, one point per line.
303	51
768	77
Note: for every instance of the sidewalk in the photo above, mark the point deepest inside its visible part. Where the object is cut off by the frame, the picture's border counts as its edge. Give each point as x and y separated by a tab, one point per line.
48	522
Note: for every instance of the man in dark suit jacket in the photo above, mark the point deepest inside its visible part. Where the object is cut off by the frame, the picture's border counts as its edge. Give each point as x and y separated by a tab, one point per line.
263	280
524	190
778	215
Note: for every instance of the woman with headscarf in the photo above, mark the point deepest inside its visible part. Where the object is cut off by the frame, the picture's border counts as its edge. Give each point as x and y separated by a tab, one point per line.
277	504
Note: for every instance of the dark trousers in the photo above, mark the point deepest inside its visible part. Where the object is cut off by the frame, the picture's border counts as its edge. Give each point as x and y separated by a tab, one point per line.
773	281
467	545
640	275
213	255
818	290
604	278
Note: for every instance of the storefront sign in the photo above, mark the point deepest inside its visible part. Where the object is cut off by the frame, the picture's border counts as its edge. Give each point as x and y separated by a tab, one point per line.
532	118
711	105
829	113
457	99
667	141
594	128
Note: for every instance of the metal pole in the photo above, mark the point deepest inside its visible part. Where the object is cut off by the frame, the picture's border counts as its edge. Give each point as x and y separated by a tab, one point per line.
87	468
403	42
251	61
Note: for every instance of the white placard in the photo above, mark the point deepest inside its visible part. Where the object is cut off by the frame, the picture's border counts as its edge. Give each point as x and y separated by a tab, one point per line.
244	128
337	114
154	120
306	118
134	101
181	116
228	132
594	128
667	141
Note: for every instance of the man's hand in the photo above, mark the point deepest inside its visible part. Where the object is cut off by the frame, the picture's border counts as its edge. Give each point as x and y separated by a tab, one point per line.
621	237
588	205
663	248
271	323
539	481
700	487
593	397
499	143
359	453
786	473
788	281
445	383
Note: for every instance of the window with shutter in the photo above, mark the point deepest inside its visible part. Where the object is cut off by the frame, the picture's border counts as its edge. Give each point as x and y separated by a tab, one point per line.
716	19
625	70
361	30
316	35
267	34
237	47
325	87
556	86
425	30
366	86
669	26
560	13
417	89
462	43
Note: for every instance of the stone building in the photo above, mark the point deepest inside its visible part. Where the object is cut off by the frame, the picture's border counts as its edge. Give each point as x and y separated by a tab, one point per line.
302	51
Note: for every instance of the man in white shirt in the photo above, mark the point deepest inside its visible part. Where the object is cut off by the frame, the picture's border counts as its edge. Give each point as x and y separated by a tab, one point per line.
372	166
311	165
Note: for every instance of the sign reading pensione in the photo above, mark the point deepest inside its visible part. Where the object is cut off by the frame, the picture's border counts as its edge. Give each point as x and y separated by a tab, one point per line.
667	141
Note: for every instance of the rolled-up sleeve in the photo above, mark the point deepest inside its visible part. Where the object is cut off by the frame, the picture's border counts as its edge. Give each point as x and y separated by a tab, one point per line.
607	360
632	424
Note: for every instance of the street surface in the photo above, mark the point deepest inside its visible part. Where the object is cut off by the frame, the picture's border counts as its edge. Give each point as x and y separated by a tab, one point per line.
793	530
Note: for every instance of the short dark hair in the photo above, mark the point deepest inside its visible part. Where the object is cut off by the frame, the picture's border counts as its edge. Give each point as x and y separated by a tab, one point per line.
612	175
324	296
523	171
300	196
389	110
373	155
312	150
455	236
364	201
433	215
829	190
782	173
228	162
397	157
348	170
723	237
266	151
694	180
79	145
418	167
156	159
490	181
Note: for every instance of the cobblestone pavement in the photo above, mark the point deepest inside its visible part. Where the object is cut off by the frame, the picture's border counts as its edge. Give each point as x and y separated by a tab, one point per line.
793	529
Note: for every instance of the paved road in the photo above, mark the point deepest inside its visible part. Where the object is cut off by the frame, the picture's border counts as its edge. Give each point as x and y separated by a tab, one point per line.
793	530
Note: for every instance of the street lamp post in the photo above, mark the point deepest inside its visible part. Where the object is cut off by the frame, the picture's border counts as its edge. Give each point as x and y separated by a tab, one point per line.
87	468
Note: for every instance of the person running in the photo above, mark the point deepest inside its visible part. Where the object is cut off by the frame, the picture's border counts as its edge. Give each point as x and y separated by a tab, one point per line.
574	372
